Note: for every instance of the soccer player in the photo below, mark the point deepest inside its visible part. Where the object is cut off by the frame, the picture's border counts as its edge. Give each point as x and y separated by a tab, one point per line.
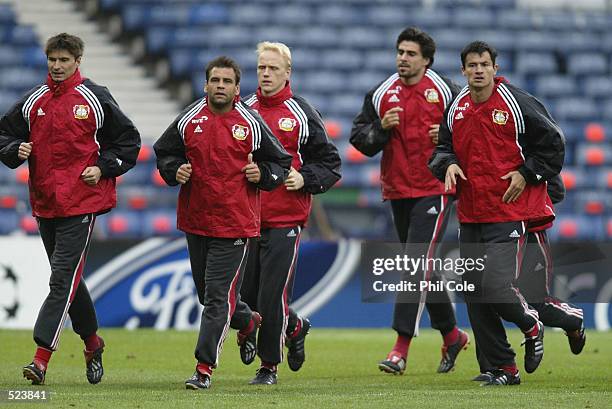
76	141
400	116
535	281
315	168
499	145
221	152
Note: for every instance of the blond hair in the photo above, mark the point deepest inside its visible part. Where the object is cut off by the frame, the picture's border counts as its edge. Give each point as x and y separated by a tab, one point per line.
280	48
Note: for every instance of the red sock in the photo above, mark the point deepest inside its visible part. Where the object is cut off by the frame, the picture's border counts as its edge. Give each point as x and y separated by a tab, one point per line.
298	328
204	368
42	357
268	365
510	368
451	337
401	346
93	342
533	331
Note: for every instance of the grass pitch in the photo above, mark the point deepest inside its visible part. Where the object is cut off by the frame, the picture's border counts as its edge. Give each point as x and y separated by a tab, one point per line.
147	368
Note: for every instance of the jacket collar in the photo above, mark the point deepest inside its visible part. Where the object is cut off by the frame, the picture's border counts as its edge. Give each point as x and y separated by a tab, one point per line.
61	87
276	99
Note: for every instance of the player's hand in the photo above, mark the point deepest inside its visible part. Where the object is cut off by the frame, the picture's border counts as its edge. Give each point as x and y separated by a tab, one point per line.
91	175
517	185
433	133
183	174
251	170
391	118
450	180
25	149
295	180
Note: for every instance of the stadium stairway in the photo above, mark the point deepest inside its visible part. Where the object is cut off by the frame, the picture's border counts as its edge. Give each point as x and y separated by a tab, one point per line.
151	108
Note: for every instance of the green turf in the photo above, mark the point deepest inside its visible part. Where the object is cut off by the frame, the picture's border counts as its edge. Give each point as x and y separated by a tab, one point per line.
146	369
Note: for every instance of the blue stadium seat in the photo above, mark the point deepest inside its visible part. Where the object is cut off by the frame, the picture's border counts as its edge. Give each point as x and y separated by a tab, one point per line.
20	35
21	79
7	15
138	176
316	99
557	20
568	227
585	64
342	59
576	108
305	58
317	37
474	18
447	61
7	100
250	14
453	39
604	180
294	15
381	60
581	42
9	221
555	86
227	36
536	41
388	16
340	15
345	104
536	63
363	38
362	81
514	19
276	33
325	82
598	87
429	18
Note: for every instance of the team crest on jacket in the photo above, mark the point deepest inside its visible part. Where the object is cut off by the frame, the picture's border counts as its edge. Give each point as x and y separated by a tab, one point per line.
240	132
431	95
81	111
286	124
500	117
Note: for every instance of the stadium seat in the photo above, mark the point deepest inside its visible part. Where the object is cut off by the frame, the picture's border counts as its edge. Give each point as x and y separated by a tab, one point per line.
387	16
585	64
28	224
594	132
536	63
473	18
160	223
575	108
363	38
317	37
598	87
251	15
294	15
557	20
325	82
593	203
9	221
604	179
342	59
572	228
429	18
593	154
121	224
340	15
345	105
555	86
536	41
514	19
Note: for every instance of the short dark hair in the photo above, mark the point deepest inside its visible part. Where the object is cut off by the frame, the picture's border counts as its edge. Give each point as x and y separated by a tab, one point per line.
478	47
424	40
68	42
223	62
